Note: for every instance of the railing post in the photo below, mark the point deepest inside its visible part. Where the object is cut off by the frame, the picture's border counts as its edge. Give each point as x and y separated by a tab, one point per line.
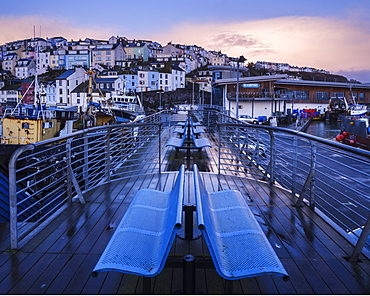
219	149
295	164
272	157
312	183
85	168
159	148
13	212
71	176
361	241
310	180
107	155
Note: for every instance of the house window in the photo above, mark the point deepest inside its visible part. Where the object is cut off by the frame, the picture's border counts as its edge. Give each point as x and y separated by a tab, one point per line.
301	95
362	97
338	95
322	95
108	52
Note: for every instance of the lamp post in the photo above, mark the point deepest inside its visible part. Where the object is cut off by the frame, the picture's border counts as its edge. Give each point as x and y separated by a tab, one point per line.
160	99
192	98
240	60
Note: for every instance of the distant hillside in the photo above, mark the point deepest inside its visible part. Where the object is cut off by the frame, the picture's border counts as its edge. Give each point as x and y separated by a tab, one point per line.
253	71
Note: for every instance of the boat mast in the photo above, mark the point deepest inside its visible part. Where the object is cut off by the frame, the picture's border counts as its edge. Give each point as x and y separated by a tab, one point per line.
89	91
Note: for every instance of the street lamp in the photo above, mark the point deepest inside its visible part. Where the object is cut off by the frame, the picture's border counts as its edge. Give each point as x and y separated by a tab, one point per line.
241	59
160	99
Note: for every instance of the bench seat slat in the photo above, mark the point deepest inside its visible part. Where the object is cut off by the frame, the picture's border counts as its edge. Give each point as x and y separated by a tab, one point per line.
176	142
238	246
143	239
201	143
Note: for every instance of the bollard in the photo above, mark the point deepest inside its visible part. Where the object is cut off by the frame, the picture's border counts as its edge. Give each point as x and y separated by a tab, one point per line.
188	275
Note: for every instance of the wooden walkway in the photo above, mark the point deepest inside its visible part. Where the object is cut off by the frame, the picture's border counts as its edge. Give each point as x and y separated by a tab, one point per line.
60	258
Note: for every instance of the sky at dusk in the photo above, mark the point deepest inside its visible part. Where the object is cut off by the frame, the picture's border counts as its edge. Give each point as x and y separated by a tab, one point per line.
333	35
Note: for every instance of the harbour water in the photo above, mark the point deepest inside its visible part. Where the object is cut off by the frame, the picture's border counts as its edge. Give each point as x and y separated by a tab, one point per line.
324	129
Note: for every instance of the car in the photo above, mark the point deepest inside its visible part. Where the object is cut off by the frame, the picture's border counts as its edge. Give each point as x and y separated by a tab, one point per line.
248	119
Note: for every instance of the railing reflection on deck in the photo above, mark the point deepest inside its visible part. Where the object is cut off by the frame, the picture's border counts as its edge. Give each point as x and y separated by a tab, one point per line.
331	178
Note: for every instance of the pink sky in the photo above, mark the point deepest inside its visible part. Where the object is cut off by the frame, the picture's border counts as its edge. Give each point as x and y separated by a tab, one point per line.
334	44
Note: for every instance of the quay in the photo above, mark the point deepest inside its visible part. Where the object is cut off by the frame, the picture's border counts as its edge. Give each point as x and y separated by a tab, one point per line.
290	182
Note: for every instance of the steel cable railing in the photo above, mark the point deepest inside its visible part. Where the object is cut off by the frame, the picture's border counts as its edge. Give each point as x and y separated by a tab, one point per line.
329	177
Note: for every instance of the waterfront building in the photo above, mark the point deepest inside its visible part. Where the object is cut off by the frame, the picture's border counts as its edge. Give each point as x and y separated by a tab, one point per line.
77	58
25	68
67	82
108	54
277	94
49	90
137	51
58	59
10	95
9	62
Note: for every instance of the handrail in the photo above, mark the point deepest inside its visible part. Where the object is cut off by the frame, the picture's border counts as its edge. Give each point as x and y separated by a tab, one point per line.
310	167
48	175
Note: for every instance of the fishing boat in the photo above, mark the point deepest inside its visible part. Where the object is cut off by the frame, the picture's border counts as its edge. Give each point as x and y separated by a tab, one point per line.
357	110
126	107
355	131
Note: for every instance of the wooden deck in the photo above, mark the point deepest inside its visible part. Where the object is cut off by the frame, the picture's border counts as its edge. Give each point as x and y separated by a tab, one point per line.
60	258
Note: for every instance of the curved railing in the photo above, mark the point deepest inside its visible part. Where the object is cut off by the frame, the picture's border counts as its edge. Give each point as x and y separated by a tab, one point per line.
331	178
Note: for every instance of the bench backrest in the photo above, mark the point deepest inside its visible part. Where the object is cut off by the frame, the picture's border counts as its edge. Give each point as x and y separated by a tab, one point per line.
143	239
238	246
177	196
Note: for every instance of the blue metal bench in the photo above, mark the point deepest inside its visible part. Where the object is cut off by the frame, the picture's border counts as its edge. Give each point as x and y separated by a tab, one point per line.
143	239
176	142
238	246
200	142
181	130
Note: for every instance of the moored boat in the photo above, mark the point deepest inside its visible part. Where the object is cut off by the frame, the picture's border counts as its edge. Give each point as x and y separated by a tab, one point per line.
355	132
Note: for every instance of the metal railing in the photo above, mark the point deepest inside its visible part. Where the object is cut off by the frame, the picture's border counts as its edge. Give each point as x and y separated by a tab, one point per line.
331	178
44	178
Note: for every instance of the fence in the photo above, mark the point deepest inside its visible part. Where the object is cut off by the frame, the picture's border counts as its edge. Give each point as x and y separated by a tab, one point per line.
331	178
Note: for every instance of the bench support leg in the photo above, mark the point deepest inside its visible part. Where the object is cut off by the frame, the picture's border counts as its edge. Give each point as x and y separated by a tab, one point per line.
228	287
189	275
147	285
189	232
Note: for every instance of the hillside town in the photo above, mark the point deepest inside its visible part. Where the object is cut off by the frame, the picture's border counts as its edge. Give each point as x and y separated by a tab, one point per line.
120	66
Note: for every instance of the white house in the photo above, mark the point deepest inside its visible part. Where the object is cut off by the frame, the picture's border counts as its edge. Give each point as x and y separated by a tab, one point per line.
25	68
67	82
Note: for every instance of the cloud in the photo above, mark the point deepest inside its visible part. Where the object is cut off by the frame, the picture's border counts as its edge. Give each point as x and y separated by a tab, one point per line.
333	44
325	43
230	40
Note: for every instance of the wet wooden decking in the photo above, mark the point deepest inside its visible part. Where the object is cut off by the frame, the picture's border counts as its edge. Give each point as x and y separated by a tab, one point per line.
60	258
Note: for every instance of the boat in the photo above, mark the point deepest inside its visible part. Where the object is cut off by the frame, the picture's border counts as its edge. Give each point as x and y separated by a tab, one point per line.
355	131
126	107
357	110
337	108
